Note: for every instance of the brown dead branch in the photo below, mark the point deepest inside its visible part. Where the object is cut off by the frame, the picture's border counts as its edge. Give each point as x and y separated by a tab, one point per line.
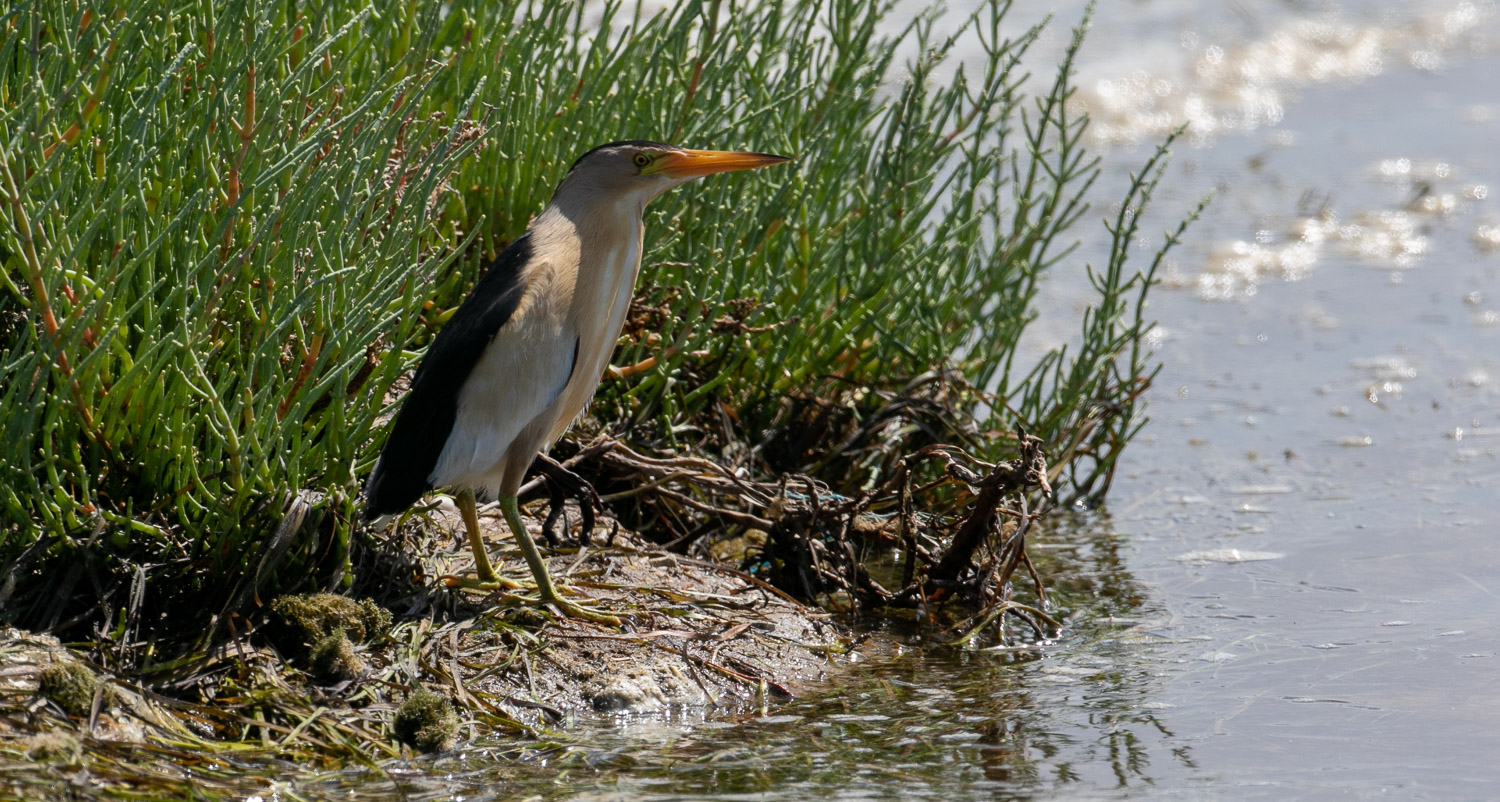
959	525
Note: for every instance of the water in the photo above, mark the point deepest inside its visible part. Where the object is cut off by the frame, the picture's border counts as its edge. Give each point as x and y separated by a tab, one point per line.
1295	590
1329	395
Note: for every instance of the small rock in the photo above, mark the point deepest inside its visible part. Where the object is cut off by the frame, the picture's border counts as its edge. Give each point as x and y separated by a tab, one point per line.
634	691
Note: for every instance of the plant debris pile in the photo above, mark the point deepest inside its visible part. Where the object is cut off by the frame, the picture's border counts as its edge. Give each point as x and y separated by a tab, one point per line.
942	527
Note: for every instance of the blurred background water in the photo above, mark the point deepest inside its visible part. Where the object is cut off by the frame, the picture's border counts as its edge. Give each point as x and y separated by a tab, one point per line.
1328	402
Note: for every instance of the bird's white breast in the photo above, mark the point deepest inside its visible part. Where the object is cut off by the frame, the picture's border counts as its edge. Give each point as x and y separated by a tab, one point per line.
528	387
524	371
606	283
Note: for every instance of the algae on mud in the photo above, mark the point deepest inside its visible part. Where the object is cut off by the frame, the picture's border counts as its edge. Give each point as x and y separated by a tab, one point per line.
426	721
312	618
71	685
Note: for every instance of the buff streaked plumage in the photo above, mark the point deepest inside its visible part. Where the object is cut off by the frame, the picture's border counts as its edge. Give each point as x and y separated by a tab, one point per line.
521	357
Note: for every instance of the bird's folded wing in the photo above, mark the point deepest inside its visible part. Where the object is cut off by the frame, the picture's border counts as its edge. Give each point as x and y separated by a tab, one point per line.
521	373
425	422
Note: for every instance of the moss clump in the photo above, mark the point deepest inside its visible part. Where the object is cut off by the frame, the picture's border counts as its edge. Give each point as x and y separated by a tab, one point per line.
334	660
54	747
426	722
71	685
311	618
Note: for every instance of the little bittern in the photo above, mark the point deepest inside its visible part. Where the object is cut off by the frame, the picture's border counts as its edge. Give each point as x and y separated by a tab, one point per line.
522	355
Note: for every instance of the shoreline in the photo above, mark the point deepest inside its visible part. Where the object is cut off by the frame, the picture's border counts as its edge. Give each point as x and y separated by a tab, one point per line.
698	635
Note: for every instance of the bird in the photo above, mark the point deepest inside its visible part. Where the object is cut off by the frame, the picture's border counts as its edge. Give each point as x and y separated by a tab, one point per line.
522	355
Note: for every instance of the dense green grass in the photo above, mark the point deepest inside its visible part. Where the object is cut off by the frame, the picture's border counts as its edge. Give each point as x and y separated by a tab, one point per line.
228	226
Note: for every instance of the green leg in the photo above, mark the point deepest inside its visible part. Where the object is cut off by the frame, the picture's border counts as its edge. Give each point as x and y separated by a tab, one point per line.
547	593
487	576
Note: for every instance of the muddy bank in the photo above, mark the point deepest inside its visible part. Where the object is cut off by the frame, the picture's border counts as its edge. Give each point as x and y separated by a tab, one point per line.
697	633
406	664
303	683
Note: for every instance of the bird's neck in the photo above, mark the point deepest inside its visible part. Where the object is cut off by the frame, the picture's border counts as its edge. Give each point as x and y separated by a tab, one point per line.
602	230
594	259
604	242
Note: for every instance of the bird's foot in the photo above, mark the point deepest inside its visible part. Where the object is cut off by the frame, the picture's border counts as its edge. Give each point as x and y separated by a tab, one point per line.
491	583
573	610
562	483
556	604
555	601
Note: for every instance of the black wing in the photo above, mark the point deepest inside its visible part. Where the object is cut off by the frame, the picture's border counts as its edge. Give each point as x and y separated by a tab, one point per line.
426	418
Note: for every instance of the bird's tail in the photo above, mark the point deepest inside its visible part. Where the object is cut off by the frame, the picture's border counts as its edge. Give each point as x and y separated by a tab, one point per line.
372	512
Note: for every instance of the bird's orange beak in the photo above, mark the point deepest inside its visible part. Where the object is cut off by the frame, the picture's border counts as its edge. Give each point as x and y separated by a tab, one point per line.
695	163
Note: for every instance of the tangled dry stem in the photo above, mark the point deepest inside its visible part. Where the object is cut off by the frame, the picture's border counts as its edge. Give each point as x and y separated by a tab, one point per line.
963	547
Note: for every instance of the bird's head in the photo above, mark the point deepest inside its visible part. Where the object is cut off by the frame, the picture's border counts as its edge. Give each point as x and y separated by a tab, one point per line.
639	171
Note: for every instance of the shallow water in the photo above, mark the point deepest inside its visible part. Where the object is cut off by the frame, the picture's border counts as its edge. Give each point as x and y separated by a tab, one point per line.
1295	589
1329	396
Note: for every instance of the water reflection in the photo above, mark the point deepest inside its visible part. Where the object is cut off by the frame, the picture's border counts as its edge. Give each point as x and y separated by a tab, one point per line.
1238	68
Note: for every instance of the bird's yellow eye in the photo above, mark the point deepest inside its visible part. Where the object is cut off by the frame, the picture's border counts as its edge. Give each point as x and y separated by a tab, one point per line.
641	160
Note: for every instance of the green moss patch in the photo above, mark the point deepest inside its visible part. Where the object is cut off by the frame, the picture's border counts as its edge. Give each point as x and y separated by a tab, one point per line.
426	722
333	659
54	747
71	685
309	619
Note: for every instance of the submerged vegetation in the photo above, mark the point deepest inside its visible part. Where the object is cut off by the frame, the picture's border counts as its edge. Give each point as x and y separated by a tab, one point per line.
228	228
